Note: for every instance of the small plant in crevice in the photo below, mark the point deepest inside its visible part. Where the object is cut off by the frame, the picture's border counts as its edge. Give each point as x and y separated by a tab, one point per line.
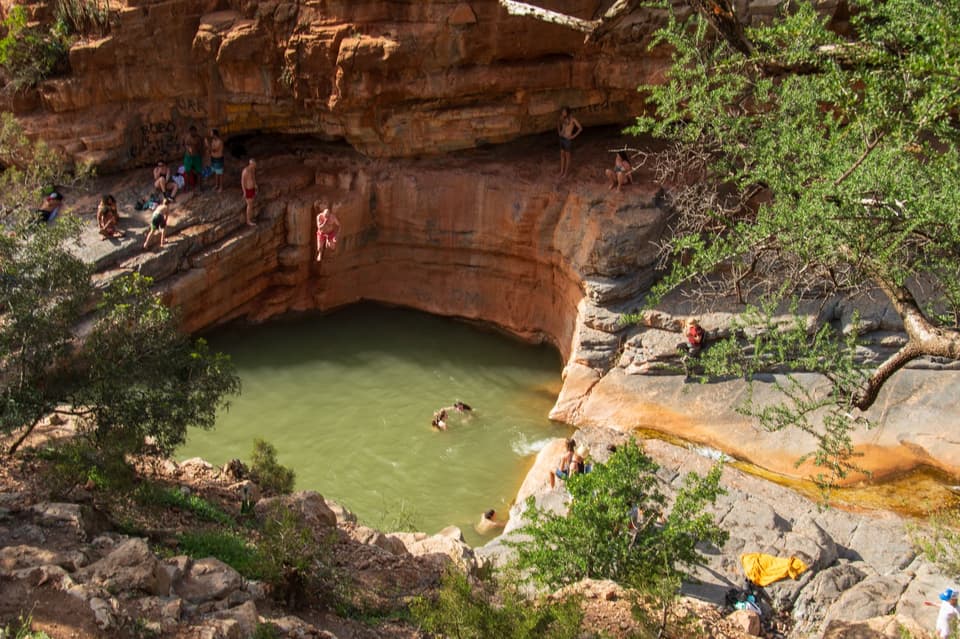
86	17
169	497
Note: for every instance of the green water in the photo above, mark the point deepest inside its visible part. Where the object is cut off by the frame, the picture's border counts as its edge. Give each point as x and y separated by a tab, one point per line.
347	400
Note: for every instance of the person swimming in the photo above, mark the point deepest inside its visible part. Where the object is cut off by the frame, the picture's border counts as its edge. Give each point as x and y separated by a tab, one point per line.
460	407
440	419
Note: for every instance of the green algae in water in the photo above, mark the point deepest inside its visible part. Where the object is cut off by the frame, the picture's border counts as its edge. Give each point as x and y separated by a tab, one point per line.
347	400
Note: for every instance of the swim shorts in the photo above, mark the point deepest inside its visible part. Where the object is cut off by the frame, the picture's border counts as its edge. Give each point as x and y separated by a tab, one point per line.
249	194
192	163
328	239
158	222
216	164
566	143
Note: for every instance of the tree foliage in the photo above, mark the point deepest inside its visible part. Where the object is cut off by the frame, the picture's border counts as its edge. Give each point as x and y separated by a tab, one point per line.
494	609
120	365
595	538
31	53
808	158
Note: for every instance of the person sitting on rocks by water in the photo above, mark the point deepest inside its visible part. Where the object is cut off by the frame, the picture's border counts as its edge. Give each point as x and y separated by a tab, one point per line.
440	419
488	524
622	172
566	468
694	334
163	182
50	208
108	218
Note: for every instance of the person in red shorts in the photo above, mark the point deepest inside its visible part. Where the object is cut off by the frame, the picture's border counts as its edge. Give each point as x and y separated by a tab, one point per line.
327	228
248	183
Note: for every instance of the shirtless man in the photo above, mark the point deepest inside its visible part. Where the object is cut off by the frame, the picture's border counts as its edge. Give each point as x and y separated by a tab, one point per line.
192	158
158	223
568	128
248	184
327	228
215	146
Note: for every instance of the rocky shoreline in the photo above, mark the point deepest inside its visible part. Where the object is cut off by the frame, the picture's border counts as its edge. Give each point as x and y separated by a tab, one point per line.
864	573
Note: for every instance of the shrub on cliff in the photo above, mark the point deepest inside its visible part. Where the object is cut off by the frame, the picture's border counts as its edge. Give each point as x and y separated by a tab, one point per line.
269	474
620	527
31	53
494	609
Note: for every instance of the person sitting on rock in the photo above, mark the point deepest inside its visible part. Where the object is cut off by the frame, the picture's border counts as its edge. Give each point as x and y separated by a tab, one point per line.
50	208
108	218
565	469
694	334
163	182
488	524
622	172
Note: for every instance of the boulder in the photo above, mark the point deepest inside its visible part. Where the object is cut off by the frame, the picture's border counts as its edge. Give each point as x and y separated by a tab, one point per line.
447	546
308	504
16	558
130	567
875	596
207	580
245	615
886	627
747	621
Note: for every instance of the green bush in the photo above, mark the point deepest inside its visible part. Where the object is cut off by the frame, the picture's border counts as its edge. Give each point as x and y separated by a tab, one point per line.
939	540
228	547
30	53
595	538
494	609
267	472
295	561
85	17
167	497
77	462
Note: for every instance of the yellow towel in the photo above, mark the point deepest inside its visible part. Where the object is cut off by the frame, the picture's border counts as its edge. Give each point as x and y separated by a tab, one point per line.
764	569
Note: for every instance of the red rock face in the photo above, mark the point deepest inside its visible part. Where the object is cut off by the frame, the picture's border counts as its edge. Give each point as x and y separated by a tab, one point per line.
391	78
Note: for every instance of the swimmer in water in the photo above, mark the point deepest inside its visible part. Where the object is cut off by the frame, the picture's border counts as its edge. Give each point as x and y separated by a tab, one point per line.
440	419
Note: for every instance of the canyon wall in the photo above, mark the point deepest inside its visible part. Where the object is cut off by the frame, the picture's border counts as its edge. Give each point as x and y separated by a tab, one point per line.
390	78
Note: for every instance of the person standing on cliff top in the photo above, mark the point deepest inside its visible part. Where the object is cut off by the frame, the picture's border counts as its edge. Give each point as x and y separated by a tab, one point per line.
192	158
248	184
327	228
948	614
215	147
568	128
158	223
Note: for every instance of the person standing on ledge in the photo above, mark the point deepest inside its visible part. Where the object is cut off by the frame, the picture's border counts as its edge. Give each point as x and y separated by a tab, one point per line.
248	184
327	228
192	158
568	128
948	614
215	146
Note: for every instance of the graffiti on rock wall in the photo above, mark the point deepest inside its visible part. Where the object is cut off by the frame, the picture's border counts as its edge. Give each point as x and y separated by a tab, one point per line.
154	140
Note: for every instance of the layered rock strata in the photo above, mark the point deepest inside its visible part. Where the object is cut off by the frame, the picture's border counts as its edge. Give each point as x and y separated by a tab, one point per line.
390	78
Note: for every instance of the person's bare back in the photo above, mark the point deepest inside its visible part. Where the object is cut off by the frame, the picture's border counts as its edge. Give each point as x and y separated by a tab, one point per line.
248	184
